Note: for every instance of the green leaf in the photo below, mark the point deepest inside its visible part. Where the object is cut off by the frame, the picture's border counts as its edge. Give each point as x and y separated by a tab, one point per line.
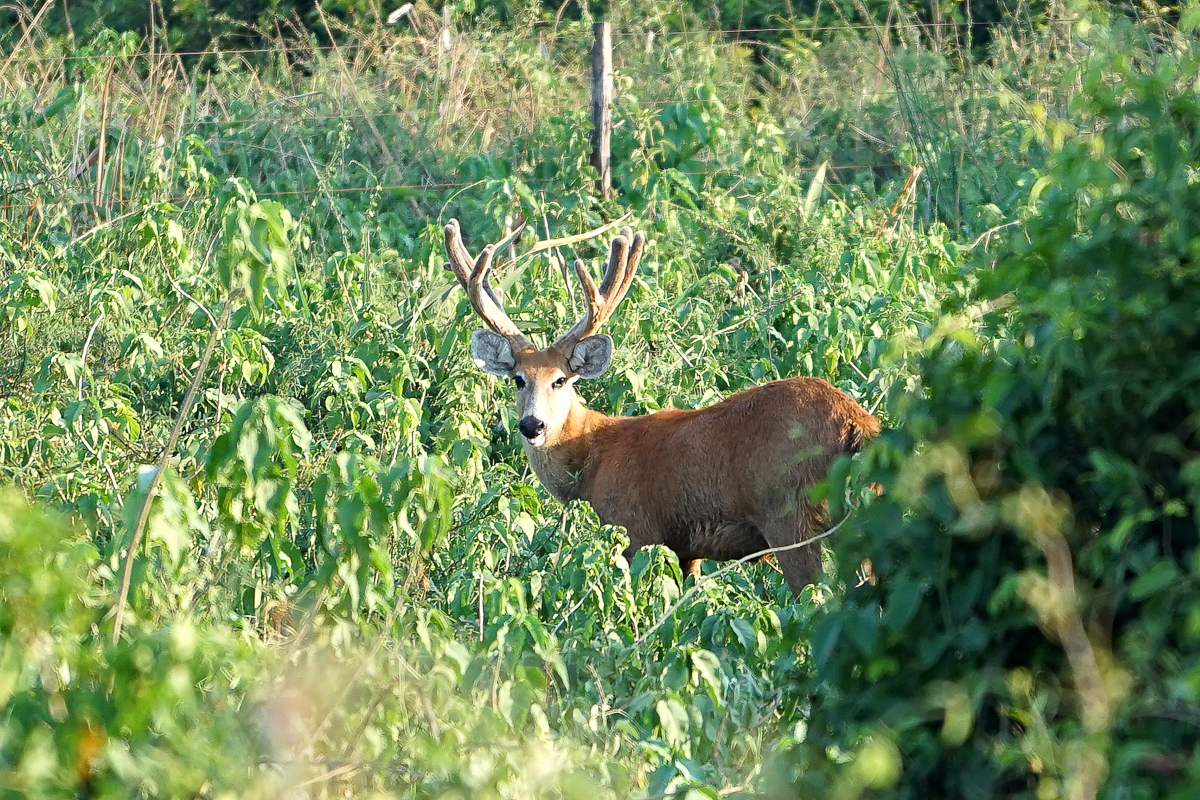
1162	573
709	669
904	598
672	720
746	635
815	187
825	638
863	629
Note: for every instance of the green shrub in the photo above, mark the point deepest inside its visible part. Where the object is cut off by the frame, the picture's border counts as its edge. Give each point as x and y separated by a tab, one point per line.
1036	630
156	715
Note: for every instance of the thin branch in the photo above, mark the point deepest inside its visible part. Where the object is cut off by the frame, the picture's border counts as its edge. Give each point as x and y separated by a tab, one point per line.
336	772
878	402
761	310
25	36
212	320
402	594
547	244
8	191
397	766
861	374
728	790
706	578
291	97
62	250
349	684
988	233
556	257
568	614
148	502
83	438
83	356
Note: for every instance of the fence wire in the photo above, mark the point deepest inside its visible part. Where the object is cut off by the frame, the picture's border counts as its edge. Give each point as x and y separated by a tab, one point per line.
110	185
738	38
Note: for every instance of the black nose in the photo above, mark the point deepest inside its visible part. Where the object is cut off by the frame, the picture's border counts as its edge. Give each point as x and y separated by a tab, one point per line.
531	427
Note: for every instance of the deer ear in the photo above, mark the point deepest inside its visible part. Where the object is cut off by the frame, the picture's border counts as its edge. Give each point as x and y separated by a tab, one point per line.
591	356
492	353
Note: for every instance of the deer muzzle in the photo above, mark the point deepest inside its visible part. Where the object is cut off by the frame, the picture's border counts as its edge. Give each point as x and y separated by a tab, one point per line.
532	429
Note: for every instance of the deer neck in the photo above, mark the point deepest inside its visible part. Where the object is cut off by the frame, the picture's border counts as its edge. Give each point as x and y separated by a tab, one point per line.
562	465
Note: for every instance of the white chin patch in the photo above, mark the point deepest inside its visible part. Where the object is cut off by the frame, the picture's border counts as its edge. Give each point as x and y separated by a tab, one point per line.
537	441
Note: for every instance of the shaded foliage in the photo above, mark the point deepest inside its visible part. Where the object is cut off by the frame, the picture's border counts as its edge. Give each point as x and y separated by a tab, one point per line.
1037	627
197	25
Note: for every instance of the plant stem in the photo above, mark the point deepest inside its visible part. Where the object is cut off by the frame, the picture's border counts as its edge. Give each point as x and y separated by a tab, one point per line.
140	525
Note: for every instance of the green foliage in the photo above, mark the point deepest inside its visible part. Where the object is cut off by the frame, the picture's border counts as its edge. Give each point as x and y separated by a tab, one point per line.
349	584
193	26
255	252
1035	630
79	715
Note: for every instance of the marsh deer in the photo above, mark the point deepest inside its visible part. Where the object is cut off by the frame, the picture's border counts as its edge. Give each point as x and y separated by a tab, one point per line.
721	482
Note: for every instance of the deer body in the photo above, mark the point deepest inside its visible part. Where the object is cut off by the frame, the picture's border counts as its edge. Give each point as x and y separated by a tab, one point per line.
679	479
721	482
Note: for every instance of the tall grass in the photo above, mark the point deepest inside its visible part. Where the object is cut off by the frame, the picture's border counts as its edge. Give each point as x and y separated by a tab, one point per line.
390	106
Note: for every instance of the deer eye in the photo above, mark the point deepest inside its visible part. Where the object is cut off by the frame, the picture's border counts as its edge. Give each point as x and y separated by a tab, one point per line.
560	383
519	381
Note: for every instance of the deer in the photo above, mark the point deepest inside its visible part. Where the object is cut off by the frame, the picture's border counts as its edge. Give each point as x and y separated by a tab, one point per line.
722	482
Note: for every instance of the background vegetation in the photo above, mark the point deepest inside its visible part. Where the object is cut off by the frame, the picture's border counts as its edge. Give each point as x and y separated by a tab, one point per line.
265	530
192	27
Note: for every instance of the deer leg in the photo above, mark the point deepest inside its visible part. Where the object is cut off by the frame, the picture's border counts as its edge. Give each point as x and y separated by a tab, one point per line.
801	566
690	566
639	537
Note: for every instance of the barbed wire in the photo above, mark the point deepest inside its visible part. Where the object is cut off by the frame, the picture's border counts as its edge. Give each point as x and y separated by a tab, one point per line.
944	92
290	120
735	33
803	28
947	93
942	89
552	181
443	185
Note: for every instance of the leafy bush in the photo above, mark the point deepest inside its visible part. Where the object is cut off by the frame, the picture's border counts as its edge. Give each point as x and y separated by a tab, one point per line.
79	715
347	582
1036	629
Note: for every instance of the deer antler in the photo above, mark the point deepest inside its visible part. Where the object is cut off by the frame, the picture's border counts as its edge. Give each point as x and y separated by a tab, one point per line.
619	270
473	273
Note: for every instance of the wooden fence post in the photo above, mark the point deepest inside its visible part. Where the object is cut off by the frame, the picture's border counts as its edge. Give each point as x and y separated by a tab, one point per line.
602	95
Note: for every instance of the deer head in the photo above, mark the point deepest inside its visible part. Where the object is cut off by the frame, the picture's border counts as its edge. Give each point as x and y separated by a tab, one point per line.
544	379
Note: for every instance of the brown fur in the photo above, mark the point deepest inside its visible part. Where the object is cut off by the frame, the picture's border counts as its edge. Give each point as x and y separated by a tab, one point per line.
720	482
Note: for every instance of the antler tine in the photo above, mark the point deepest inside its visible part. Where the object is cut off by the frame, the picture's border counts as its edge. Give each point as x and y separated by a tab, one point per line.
630	258
461	262
622	265
637	244
614	268
473	277
589	286
624	255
